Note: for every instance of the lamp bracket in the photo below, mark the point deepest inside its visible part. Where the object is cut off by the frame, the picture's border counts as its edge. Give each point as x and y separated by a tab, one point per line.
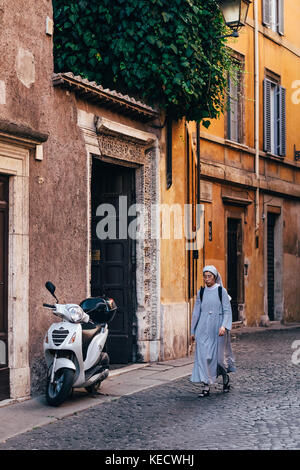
234	34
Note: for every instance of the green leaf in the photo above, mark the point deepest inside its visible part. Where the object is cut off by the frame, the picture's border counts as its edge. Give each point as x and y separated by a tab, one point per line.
72	59
151	39
206	124
166	16
189	52
174	48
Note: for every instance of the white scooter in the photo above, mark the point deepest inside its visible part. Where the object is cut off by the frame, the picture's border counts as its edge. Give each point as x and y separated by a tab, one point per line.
74	347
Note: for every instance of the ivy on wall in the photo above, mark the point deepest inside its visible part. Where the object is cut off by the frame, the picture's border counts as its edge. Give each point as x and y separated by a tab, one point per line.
163	52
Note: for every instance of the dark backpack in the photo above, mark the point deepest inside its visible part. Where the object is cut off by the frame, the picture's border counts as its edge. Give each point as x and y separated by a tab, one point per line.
219	290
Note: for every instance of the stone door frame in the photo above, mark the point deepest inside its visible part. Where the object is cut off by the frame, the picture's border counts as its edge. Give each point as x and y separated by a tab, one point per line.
14	162
117	143
269	204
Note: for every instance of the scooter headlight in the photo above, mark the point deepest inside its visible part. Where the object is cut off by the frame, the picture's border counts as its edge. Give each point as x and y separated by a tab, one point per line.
76	314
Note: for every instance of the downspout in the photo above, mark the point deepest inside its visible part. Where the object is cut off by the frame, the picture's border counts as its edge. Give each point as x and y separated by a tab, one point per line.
198	182
256	113
198	161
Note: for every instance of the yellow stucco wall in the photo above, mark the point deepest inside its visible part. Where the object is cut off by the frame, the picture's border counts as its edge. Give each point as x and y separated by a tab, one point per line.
281	55
173	276
228	165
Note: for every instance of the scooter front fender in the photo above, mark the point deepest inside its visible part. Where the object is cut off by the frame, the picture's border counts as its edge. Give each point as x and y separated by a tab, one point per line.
62	362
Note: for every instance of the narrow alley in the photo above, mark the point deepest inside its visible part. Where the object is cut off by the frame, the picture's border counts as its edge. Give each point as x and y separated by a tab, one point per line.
260	412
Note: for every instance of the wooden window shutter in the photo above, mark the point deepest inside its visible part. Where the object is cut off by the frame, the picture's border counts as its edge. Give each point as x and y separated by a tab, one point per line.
234	109
240	107
281	17
267	115
282	121
228	108
266	12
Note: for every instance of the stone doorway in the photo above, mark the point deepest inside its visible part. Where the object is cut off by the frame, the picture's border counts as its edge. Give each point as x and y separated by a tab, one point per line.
113	254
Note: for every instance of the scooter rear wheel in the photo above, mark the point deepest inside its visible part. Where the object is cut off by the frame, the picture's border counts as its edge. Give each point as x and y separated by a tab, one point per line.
58	391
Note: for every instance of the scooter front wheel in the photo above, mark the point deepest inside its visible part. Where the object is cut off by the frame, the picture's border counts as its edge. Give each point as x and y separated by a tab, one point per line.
58	390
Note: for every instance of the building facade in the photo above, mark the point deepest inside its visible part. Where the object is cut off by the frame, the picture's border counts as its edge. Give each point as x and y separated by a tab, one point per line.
250	170
77	160
68	149
243	173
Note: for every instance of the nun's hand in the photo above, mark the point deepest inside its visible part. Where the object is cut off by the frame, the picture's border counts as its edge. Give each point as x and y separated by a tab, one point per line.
222	331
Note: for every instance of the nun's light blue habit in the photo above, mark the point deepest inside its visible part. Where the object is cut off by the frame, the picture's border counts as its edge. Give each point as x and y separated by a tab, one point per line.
213	354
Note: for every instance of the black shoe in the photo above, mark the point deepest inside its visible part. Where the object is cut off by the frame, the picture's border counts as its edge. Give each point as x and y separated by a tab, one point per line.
226	386
204	393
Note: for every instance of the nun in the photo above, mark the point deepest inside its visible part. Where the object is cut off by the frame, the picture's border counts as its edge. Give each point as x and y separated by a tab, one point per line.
210	328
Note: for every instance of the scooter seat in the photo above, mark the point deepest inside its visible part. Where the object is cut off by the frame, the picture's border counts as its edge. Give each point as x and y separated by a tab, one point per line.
89	331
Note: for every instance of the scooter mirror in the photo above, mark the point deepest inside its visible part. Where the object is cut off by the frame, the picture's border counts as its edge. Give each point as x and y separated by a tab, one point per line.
50	287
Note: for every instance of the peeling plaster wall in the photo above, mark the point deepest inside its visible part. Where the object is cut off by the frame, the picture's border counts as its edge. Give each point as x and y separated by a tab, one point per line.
57	207
25	67
59	185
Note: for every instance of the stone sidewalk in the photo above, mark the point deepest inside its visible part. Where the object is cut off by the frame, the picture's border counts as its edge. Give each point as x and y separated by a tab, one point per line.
19	417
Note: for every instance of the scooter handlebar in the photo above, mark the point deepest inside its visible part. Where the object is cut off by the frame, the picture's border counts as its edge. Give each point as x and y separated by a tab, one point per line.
49	306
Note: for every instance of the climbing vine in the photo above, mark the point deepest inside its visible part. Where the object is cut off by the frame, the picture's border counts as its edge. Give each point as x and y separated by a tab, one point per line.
164	52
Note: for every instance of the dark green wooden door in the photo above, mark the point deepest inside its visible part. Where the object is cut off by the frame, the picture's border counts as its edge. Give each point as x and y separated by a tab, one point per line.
113	258
234	265
271	220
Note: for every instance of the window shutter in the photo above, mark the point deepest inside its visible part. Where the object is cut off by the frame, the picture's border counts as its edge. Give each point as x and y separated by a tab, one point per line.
228	109
282	121
266	12
267	115
234	112
234	105
281	17
240	107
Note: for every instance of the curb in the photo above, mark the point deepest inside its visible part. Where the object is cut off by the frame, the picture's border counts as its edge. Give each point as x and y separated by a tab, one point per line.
274	326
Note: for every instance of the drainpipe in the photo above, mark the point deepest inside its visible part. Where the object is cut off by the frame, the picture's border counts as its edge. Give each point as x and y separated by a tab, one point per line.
198	162
256	114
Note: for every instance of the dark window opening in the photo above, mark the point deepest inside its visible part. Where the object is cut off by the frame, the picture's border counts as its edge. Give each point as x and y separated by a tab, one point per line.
169	153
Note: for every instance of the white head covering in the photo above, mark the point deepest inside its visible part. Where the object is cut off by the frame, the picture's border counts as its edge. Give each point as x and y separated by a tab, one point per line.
212	269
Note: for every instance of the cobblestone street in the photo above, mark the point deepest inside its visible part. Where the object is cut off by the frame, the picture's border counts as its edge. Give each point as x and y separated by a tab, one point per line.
260	412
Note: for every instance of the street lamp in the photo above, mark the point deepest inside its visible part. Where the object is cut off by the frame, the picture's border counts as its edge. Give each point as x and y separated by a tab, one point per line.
234	13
